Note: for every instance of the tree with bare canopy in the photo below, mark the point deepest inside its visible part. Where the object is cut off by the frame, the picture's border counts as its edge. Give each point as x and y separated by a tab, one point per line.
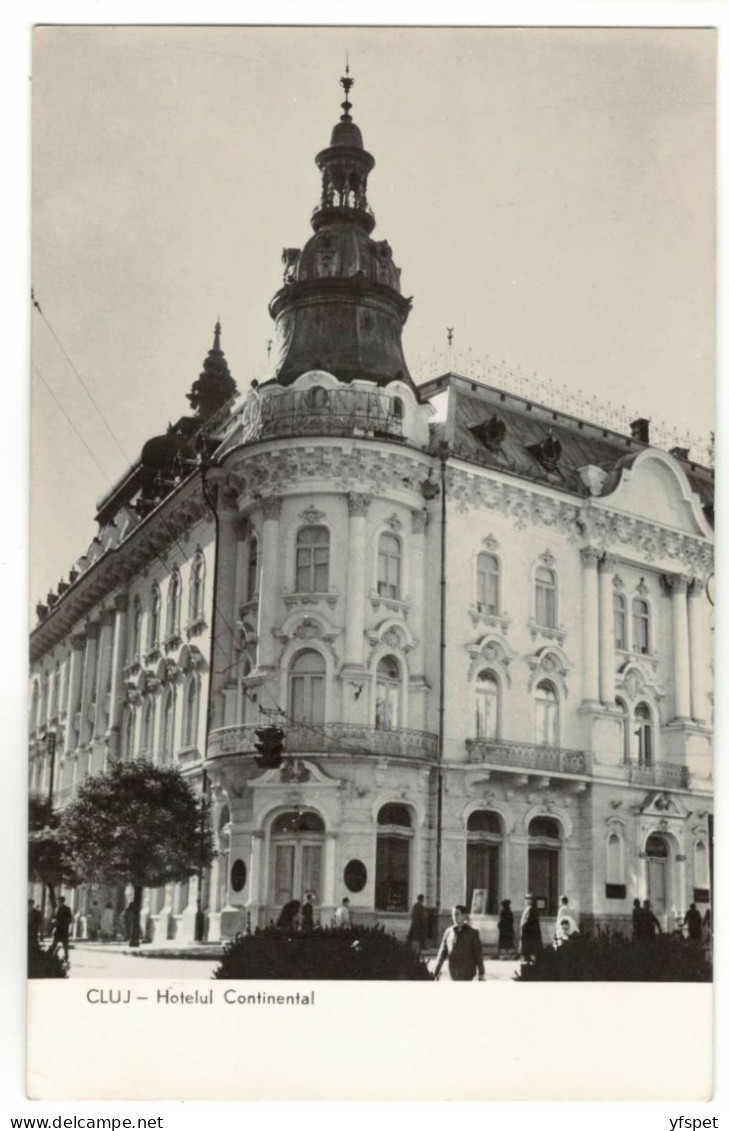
137	824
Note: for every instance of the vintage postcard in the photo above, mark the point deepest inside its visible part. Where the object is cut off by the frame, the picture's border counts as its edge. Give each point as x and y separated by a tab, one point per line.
372	562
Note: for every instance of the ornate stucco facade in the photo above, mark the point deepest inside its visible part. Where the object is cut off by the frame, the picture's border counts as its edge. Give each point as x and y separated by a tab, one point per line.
482	624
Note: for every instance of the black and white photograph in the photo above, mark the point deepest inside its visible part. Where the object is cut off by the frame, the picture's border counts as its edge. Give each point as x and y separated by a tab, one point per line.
371	517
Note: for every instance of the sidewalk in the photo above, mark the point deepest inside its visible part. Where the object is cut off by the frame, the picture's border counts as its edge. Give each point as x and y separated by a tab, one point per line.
166	948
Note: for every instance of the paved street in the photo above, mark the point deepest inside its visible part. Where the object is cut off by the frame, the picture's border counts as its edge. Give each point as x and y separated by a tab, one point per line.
96	962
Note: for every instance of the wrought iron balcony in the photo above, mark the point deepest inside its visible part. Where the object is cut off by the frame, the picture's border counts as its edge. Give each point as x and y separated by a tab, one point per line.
526	756
330	412
331	738
666	775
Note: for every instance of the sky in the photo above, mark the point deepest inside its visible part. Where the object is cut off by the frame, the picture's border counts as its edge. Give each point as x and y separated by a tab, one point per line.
548	193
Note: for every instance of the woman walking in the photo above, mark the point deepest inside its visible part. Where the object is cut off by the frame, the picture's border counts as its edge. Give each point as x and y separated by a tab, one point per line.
507	942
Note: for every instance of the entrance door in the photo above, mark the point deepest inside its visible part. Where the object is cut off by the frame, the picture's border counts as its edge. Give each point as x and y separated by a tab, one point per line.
544	878
657	859
297	846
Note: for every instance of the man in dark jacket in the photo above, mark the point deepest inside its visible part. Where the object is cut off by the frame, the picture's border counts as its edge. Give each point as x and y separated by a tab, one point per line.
461	945
418	933
692	922
61	927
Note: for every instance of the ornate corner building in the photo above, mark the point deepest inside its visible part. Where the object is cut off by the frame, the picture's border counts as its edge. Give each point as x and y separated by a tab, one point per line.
483	625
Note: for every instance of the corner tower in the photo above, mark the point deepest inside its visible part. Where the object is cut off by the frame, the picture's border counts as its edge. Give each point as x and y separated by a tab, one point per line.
340	307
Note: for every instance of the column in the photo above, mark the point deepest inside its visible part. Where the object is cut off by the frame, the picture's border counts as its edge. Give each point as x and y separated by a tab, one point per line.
607	631
256	896
677	584
106	640
78	644
329	898
590	646
697	654
356	567
225	613
419	520
118	660
88	688
268	596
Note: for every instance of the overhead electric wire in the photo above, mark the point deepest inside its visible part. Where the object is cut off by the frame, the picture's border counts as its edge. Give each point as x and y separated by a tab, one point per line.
69	420
79	378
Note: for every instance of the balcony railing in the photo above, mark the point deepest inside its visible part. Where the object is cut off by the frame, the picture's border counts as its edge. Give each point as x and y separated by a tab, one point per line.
331	738
663	774
525	756
330	412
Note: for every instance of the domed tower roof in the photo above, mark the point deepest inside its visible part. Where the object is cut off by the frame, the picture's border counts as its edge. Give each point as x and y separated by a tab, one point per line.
340	307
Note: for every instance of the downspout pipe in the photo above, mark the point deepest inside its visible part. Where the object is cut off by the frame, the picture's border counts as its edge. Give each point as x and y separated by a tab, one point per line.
443	454
210	494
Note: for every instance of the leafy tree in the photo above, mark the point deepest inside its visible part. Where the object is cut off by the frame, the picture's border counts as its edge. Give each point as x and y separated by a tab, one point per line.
137	824
47	860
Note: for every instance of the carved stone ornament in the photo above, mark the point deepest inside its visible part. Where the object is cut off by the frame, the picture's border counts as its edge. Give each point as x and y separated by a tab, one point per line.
312	517
490	543
358	504
393	522
548	559
250	417
634	683
294	770
618	582
394	638
271	508
642	588
419	521
306	630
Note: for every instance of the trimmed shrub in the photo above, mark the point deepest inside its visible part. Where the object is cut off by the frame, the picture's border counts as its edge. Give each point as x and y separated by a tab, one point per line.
611	957
328	954
43	964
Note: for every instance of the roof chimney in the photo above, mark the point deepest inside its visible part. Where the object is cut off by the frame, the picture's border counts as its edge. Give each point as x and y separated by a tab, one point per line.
679	453
639	430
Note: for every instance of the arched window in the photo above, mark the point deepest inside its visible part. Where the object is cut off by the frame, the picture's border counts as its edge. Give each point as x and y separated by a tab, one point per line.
625	724
252	578
388	694
641	627
34	706
307	687
620	628
189	720
389	557
53	712
136	629
487	705
398	409
392	867
154	617
614	872
483	848
644	734
167	744
544	852
128	734
312	560
547	714
545	597
173	604
487	584
148	728
197	587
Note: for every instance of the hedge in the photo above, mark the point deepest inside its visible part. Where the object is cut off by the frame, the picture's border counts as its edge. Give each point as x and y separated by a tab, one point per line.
611	957
327	954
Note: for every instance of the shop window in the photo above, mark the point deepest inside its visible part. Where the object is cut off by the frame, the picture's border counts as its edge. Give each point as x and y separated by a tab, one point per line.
394	838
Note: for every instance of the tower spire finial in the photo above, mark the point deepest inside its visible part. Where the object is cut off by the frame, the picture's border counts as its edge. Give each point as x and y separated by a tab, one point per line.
346	82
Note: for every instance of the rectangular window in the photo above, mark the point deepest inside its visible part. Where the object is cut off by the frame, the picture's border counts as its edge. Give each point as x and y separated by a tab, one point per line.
307	699
619	626
392	888
284	874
